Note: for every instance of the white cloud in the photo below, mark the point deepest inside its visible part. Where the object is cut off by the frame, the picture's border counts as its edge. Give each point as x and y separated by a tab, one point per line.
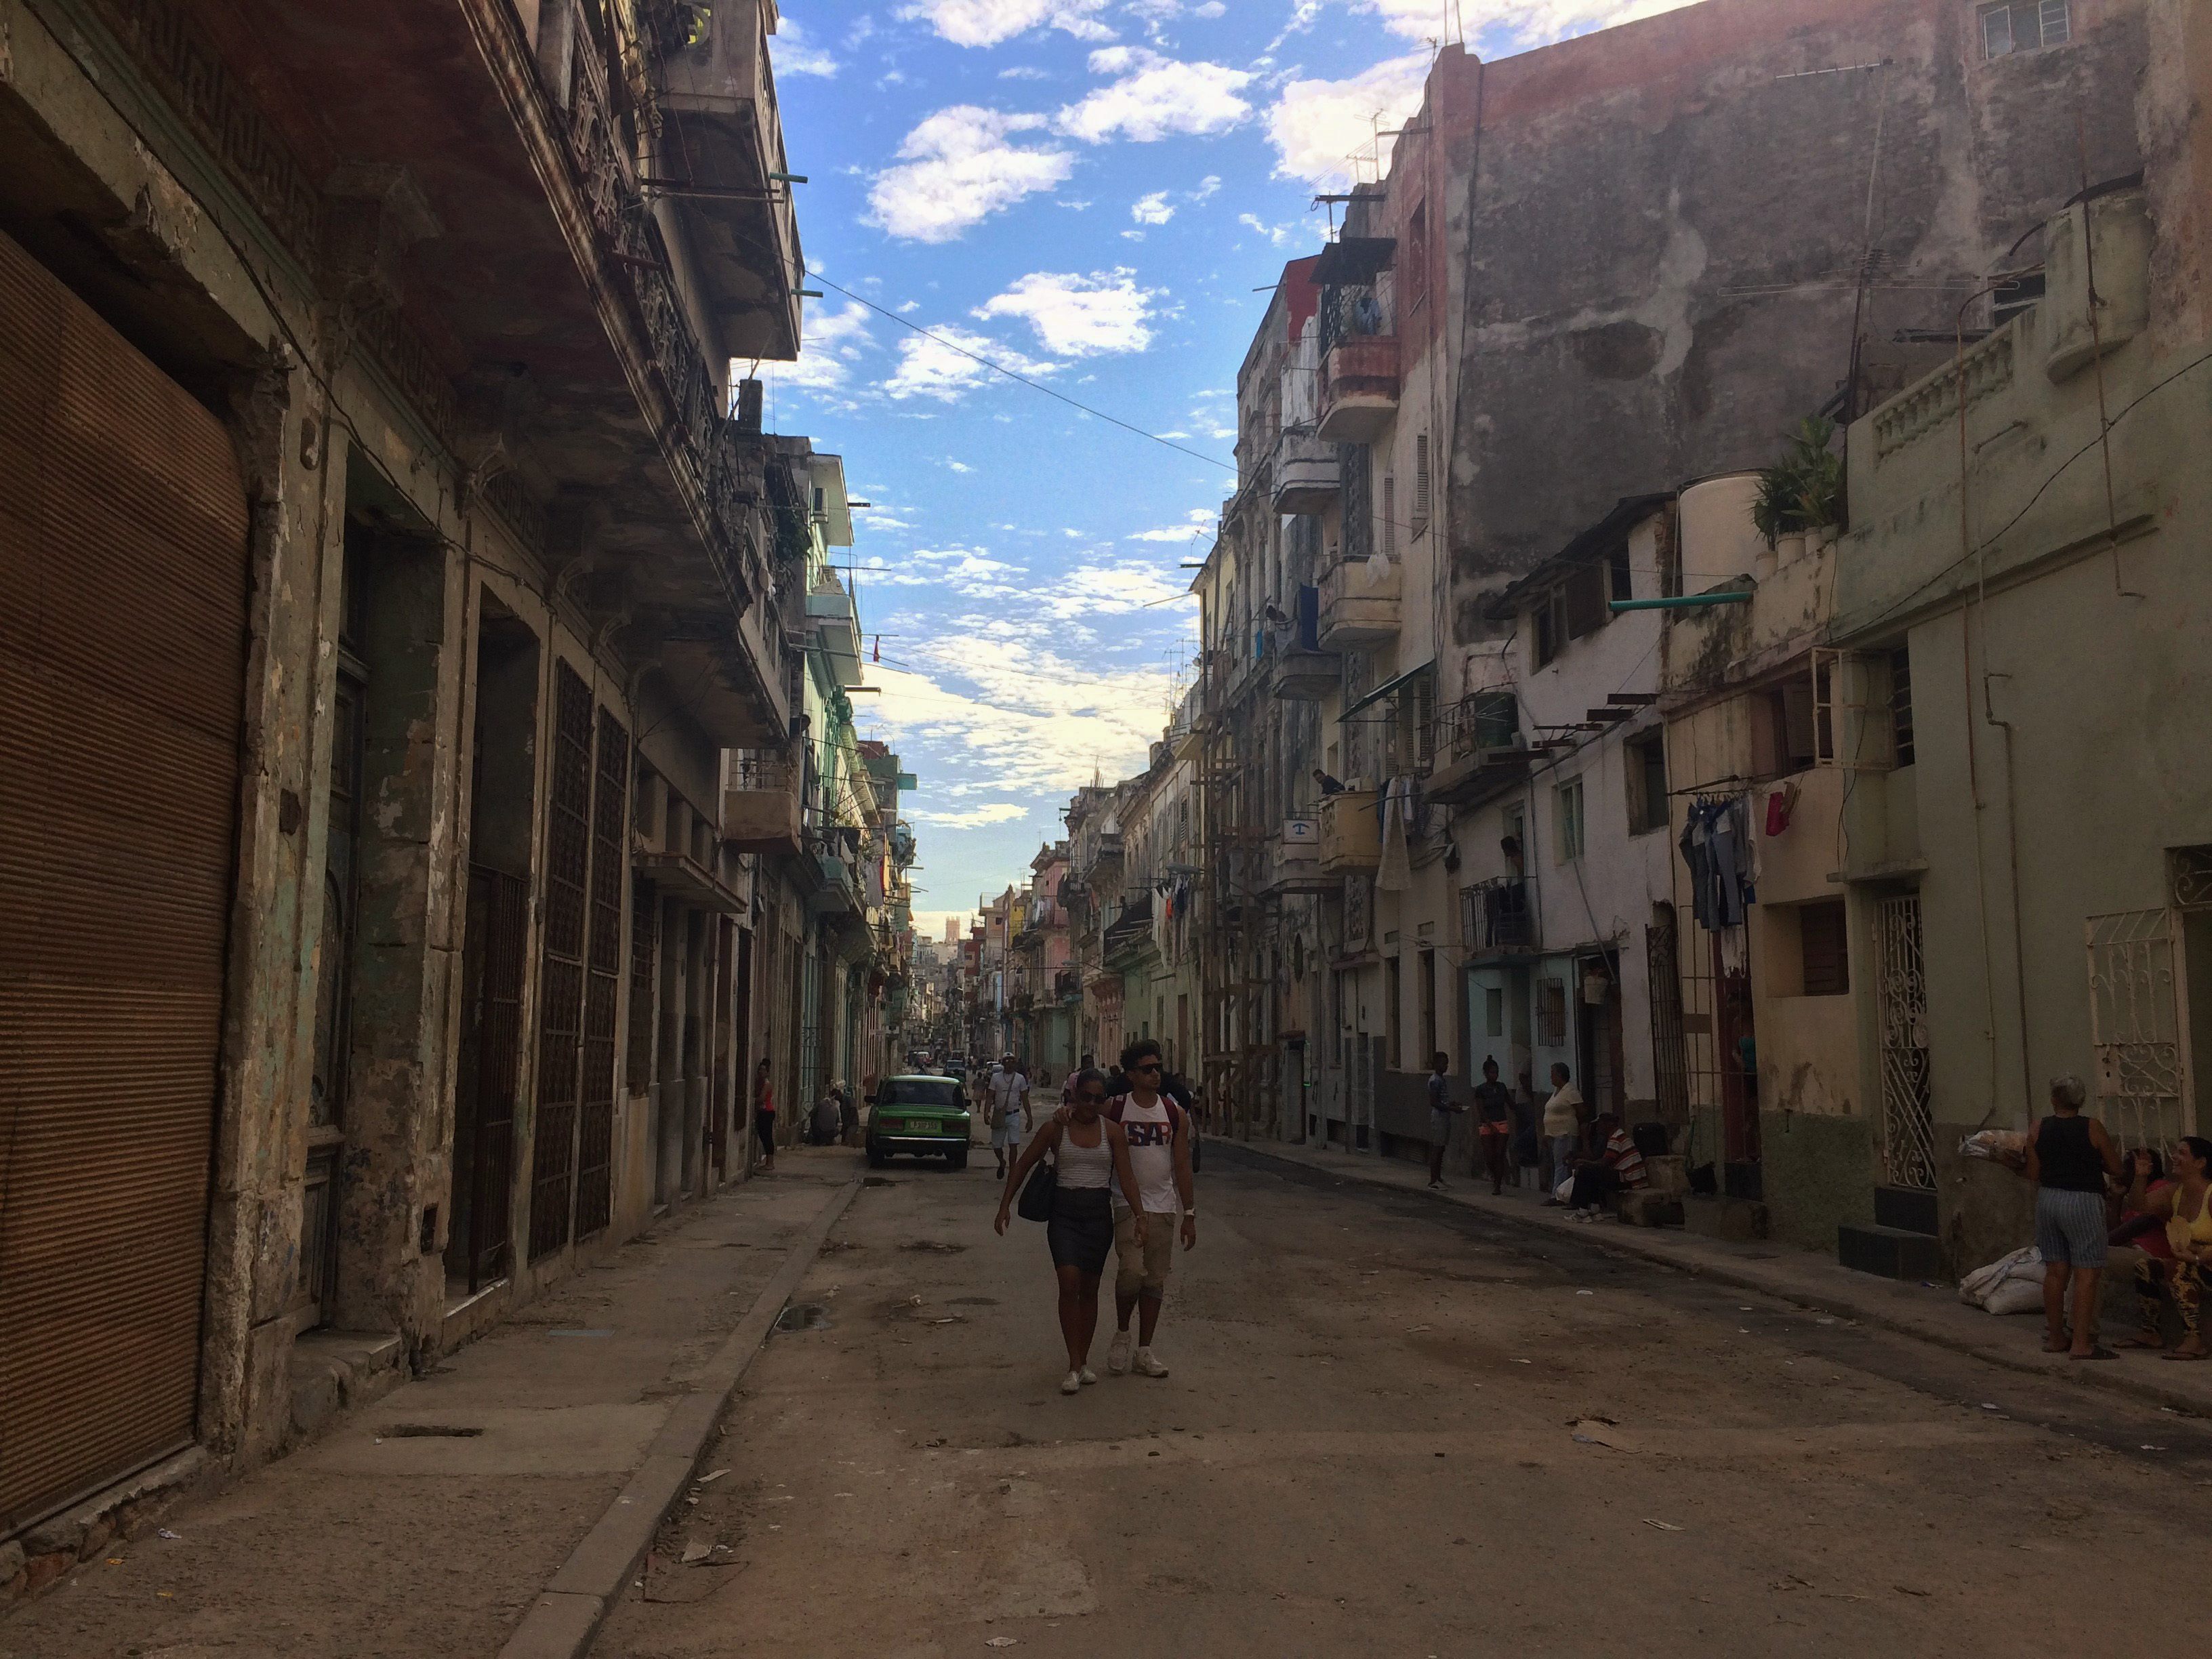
986	22
1079	316
794	56
1198	522
1206	186
1111	589
1024	72
1316	126
1280	235
960	466
1155	96
830	345
939	365
955	170
972	818
1026	719
1513	24
1152	209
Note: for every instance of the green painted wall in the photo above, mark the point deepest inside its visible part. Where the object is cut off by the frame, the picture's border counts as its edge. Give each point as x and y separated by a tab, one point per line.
1820	1172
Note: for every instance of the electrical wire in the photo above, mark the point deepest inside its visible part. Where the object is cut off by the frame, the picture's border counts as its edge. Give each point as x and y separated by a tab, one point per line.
1012	374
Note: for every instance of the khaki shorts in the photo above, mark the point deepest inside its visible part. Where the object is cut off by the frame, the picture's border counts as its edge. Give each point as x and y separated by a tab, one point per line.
1145	1269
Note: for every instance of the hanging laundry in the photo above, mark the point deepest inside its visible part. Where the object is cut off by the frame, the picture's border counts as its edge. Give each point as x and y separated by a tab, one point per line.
1395	874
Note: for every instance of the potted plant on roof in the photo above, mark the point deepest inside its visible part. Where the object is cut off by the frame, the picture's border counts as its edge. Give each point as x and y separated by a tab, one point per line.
1801	496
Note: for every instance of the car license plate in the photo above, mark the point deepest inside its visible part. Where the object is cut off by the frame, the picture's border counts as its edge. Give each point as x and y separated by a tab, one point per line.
921	1126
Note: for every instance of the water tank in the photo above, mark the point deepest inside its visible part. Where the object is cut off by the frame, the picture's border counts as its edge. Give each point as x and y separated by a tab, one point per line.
1718	540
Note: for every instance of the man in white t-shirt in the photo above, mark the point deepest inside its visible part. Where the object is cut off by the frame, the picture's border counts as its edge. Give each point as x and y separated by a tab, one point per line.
1158	1134
1009	1113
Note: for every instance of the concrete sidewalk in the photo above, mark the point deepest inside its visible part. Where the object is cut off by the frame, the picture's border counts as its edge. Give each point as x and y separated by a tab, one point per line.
494	1502
1929	1314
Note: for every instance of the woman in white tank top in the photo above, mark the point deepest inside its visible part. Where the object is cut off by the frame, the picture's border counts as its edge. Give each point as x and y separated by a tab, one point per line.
1091	1154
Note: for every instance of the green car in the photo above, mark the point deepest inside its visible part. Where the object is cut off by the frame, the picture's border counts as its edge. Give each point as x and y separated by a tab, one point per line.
927	1115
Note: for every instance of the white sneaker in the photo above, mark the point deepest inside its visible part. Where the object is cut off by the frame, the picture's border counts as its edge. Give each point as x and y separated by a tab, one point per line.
1072	1384
1117	1353
1145	1365
1088	1376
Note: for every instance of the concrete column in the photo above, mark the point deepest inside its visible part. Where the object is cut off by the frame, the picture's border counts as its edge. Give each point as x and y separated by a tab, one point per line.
390	1273
296	485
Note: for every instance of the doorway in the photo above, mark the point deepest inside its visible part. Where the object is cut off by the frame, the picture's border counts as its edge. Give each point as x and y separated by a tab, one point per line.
494	947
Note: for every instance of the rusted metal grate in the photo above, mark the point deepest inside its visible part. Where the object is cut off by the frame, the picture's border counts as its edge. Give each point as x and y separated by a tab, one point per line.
561	1004
1908	1113
499	1059
644	971
595	1135
1669	1050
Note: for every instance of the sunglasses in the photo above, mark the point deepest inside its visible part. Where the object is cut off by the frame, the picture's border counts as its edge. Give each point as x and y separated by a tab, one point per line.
1146	1065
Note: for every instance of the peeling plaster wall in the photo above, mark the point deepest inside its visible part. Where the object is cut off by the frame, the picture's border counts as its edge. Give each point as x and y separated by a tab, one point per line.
1663	236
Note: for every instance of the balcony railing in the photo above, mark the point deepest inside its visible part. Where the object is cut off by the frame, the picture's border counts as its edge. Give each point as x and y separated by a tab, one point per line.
1359	365
760	810
1498	915
1360	603
1475	747
1350	832
1306	474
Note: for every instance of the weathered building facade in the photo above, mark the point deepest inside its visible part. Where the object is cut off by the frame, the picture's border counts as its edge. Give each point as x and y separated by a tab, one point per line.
1590	276
377	512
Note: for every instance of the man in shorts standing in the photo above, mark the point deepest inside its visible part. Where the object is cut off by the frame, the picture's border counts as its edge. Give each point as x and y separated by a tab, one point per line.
1010	1111
1158	1133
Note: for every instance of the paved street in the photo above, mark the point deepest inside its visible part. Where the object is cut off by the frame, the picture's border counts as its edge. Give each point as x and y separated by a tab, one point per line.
1368	1446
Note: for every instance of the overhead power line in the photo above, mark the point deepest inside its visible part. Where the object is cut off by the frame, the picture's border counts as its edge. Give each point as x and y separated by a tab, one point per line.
1034	385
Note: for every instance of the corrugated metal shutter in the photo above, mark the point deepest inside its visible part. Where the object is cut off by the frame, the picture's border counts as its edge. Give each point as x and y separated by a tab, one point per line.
123	595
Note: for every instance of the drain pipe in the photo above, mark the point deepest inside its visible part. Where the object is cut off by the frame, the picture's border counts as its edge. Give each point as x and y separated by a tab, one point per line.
2012	855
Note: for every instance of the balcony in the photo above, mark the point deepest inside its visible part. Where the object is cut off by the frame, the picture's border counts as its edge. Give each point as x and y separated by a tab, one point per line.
831	615
1476	748
1359	363
1498	915
837	865
1305	474
1360	603
1294	859
1350	832
717	85
1306	675
760	809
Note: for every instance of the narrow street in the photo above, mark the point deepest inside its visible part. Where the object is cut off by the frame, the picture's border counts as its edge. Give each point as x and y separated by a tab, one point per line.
1368	1445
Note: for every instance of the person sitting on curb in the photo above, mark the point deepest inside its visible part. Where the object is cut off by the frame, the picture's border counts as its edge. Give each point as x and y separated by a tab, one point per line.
1618	1169
2185	1205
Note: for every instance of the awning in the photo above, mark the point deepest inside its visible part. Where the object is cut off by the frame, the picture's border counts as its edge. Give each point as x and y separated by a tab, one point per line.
1386	689
1351	260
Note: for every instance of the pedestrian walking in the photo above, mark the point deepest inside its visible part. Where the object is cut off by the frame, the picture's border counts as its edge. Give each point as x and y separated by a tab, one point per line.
1158	1134
2184	1206
1441	1110
1563	1126
1090	1152
1067	1089
1009	1113
2069	1159
765	1116
1493	1123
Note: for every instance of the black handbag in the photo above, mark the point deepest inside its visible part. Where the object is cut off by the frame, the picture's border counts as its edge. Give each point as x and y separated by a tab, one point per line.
1038	1192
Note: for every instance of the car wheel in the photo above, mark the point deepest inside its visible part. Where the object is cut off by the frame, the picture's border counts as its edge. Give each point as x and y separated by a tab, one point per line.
877	1157
957	1158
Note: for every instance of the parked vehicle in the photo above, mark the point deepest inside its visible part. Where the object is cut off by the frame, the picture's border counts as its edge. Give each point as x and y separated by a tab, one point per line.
919	1114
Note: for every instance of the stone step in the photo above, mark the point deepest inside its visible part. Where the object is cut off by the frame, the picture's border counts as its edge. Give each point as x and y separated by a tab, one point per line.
1645	1208
1889	1252
1909	1209
1736	1219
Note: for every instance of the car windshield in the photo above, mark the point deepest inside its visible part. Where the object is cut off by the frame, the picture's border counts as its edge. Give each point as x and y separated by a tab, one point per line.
920	1091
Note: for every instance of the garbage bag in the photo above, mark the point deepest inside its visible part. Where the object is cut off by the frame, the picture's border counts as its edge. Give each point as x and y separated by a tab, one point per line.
1998	1145
2012	1283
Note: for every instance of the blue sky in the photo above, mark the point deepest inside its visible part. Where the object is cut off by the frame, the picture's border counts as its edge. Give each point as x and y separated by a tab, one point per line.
1089	192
